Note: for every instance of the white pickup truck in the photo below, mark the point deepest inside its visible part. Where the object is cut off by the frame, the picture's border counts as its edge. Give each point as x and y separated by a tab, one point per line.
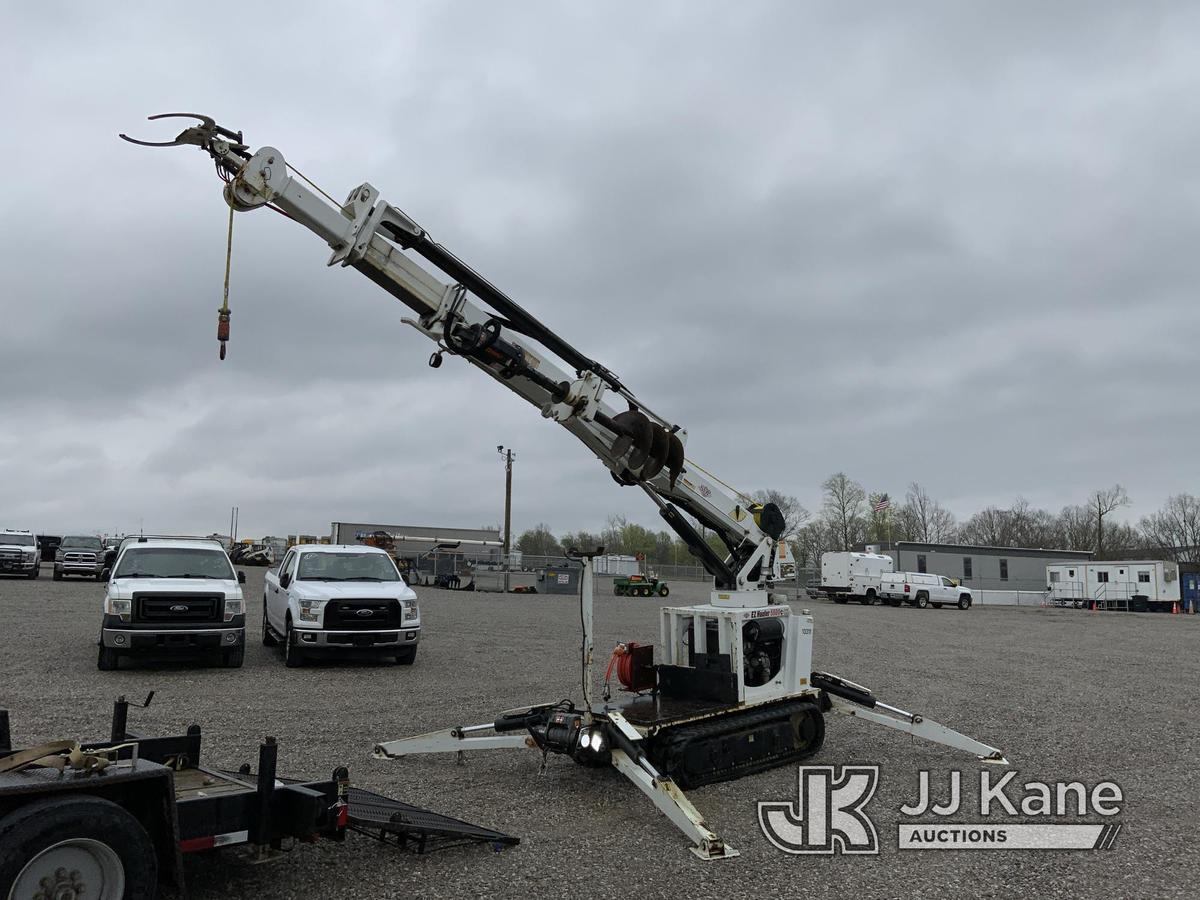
339	598
921	589
172	596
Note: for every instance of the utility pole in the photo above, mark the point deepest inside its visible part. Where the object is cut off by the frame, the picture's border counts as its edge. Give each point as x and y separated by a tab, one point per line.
508	458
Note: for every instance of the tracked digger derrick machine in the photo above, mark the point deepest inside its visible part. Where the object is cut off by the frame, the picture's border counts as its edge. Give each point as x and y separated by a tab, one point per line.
733	691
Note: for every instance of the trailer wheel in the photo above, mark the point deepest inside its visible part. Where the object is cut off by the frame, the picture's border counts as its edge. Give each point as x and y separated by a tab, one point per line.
840	598
964	601
896	601
76	847
663	590
922	600
936	605
616	591
108	659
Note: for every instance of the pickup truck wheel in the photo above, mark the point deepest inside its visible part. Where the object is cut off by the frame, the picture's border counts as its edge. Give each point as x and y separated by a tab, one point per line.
869	599
76	847
108	659
922	600
840	598
293	656
233	659
57	576
268	638
407	656
964	601
37	570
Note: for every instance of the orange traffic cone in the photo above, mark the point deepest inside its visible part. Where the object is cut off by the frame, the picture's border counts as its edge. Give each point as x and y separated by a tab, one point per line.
1175	608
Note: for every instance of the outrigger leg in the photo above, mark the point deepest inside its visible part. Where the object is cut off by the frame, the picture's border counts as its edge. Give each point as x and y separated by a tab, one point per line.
855	701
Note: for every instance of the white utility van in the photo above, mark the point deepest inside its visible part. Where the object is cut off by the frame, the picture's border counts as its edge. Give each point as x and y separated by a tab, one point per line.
854	576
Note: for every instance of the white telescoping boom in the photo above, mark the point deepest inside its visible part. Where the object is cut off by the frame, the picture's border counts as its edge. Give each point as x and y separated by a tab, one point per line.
735	693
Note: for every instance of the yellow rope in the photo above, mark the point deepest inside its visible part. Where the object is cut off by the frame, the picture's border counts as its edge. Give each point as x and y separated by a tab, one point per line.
736	492
314	186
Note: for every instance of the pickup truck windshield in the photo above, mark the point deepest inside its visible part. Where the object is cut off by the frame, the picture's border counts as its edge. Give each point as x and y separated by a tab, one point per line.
346	567
21	540
83	543
174	562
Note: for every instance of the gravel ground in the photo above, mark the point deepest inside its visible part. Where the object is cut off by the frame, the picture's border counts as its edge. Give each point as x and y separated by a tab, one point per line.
1068	695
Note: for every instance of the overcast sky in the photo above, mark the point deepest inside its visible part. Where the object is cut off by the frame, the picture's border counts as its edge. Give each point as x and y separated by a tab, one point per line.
950	243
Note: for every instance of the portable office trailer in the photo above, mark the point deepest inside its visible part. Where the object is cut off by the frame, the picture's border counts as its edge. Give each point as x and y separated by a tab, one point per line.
1134	584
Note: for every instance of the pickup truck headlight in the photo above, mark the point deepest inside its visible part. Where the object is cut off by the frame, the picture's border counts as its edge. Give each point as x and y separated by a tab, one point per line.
30	554
411	612
310	610
121	608
234	608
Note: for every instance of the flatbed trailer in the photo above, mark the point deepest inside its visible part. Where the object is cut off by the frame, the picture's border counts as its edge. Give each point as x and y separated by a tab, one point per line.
112	819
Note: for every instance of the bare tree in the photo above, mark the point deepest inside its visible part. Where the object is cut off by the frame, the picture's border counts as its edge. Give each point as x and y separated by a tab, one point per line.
1175	529
1101	503
926	519
843	510
1075	529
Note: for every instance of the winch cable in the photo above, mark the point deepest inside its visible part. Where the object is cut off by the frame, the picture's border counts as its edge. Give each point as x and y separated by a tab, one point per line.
223	312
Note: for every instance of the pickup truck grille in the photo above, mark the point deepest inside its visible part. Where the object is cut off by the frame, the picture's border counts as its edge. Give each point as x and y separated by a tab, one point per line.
81	557
189	608
362	615
10	555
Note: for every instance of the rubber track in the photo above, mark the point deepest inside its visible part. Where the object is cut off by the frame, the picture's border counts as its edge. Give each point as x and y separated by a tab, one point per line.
670	747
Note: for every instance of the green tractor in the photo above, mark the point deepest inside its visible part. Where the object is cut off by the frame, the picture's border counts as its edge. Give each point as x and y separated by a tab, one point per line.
639	586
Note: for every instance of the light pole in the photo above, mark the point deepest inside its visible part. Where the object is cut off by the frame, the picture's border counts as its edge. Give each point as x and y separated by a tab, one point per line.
508	459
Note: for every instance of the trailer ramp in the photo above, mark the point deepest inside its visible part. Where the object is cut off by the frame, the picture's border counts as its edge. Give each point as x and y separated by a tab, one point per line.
413	828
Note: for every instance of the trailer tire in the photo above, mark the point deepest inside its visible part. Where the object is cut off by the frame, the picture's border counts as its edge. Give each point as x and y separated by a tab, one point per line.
96	838
964	601
268	637
616	591
840	598
108	659
663	590
936	605
922	600
896	601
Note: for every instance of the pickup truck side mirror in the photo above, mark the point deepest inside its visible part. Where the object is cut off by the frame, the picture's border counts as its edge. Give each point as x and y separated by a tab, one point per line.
241	577
285	580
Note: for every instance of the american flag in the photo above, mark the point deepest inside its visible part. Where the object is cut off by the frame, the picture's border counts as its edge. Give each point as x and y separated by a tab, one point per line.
882	503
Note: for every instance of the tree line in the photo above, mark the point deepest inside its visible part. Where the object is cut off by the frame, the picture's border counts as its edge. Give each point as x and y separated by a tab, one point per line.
850	516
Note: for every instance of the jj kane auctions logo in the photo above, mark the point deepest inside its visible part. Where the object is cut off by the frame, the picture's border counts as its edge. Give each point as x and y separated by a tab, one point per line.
829	815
